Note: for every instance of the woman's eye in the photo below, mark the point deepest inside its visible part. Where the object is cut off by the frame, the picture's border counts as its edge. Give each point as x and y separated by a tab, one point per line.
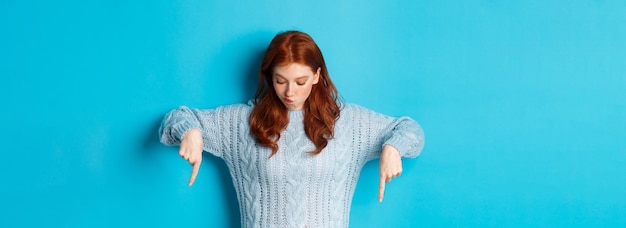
301	83
280	82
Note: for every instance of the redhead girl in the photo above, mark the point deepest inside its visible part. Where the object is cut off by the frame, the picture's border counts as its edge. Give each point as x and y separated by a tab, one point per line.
294	152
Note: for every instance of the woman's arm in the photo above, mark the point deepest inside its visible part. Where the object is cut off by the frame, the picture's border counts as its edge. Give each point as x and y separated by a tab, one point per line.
177	122
389	139
220	128
185	126
211	130
405	139
376	130
406	135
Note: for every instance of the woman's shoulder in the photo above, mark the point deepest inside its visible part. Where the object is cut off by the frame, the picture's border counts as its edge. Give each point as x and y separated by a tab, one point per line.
350	108
225	111
237	108
359	113
352	112
245	105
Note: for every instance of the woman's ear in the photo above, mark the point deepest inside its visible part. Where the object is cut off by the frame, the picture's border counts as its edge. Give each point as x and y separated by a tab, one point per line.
316	77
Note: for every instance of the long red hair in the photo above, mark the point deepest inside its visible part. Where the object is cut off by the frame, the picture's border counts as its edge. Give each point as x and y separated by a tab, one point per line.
321	110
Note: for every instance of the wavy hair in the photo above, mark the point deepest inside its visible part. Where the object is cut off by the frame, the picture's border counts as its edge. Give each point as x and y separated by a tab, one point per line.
321	109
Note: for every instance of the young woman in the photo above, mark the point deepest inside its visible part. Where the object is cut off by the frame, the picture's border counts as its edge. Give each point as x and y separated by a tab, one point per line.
294	152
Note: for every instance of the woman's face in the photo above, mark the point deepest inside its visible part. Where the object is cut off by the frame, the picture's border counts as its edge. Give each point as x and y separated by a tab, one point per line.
293	84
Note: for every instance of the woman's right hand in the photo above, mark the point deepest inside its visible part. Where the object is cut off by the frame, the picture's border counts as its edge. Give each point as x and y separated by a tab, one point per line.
191	150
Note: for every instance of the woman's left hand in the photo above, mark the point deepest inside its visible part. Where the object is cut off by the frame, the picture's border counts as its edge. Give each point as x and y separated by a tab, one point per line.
390	167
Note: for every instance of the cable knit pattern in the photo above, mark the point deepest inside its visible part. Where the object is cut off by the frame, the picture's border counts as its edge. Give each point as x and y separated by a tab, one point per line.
294	188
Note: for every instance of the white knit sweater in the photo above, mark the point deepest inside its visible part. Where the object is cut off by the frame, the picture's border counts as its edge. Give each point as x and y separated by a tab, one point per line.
294	188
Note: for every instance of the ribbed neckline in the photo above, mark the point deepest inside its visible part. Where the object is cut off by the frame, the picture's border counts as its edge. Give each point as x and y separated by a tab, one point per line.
296	115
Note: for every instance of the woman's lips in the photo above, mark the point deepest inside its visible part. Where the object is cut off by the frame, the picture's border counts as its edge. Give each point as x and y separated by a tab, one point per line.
287	100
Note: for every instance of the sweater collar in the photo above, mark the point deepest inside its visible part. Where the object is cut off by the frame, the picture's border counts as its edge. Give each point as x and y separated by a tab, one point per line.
296	115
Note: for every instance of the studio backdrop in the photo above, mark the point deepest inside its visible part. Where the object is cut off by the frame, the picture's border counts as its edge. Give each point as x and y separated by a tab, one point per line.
523	104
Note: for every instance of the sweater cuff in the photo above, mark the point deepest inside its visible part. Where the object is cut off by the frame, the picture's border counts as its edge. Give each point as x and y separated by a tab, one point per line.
405	148
182	128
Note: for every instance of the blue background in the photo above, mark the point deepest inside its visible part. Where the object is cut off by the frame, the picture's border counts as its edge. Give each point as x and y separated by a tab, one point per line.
523	105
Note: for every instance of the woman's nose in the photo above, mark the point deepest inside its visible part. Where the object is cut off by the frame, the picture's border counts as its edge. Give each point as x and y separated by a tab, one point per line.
289	91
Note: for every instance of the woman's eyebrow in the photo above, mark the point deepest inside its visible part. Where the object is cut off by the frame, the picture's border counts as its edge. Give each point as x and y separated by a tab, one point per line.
298	78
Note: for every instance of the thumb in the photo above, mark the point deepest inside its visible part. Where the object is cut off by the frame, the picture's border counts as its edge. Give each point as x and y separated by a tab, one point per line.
381	189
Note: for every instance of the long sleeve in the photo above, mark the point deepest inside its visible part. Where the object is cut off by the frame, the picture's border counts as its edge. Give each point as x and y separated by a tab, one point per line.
376	130
221	128
175	124
406	135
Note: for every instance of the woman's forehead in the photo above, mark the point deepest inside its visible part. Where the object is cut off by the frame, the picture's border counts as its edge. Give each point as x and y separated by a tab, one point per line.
293	70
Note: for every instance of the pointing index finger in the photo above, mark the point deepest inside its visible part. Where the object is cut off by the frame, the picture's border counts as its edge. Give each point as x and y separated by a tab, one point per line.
381	189
194	173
